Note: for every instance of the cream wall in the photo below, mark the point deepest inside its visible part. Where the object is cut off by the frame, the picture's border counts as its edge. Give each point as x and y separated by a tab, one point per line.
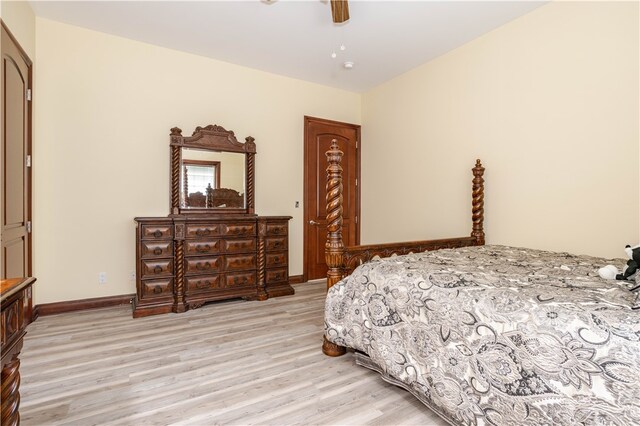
549	102
104	109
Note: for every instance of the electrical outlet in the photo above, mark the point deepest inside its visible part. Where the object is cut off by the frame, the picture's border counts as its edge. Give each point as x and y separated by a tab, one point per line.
297	204
102	277
132	276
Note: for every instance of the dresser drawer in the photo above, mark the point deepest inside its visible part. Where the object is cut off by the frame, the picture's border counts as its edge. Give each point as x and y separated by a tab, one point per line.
157	232
276	275
157	288
156	248
238	262
203	230
277	228
203	284
203	247
240	245
200	265
275	243
239	229
276	259
241	279
151	268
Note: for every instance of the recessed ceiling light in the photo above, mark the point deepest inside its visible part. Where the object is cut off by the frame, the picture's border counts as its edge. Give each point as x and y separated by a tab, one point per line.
342	47
348	65
333	55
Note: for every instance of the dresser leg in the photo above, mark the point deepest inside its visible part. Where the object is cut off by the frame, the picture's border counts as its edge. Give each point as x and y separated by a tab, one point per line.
10	393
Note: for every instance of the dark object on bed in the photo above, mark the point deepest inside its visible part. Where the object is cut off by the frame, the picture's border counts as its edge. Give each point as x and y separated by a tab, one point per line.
632	263
341	260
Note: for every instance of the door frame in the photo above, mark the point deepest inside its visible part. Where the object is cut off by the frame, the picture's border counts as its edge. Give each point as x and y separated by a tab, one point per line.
29	148
306	194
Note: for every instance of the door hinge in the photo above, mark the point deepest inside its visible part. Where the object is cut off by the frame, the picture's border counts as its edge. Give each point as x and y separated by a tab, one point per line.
28	227
356	219
356	181
27	161
356	144
29	94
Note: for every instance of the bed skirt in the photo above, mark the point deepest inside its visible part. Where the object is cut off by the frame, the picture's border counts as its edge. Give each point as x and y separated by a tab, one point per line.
364	360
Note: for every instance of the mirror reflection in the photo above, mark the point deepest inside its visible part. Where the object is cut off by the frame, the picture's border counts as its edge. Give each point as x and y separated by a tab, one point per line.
212	179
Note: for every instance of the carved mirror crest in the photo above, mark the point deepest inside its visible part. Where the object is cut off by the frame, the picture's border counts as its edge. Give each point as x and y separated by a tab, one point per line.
211	172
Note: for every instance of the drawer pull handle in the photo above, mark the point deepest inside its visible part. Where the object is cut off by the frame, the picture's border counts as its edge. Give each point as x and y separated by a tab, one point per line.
277	260
157	251
157	234
157	289
237	280
276	230
276	244
205	231
203	284
157	269
201	267
203	249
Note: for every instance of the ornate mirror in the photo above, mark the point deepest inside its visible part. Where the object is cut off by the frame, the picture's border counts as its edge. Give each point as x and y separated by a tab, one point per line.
211	172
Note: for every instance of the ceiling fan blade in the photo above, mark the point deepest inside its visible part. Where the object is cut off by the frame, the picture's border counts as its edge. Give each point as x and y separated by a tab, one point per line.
340	11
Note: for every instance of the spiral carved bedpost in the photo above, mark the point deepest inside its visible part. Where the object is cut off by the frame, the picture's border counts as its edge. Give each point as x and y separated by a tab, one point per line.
334	248
477	205
176	141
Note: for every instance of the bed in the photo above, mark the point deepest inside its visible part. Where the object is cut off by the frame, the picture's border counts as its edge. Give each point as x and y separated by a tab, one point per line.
481	334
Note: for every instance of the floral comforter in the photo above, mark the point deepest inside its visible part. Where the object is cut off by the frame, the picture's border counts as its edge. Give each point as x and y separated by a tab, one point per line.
496	335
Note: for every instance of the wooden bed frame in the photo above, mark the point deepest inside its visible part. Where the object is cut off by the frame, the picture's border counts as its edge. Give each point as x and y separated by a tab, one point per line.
342	260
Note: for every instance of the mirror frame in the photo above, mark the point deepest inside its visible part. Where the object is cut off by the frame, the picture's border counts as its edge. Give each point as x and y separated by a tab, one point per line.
211	138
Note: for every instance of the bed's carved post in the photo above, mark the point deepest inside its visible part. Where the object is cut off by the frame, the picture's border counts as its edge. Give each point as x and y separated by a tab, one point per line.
477	204
334	248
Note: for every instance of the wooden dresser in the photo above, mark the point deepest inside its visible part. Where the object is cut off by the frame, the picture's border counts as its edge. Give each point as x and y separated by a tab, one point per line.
15	296
184	261
218	249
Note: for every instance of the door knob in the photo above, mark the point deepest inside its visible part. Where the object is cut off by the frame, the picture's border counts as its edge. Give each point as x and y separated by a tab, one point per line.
313	222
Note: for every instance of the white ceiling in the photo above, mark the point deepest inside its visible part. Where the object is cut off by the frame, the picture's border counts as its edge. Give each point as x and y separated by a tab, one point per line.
296	38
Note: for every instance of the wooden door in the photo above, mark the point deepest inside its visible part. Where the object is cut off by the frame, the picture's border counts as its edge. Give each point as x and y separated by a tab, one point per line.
318	134
15	75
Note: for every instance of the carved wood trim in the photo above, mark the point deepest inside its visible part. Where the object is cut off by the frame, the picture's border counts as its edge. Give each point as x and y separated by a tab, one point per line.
10	393
175	176
250	192
262	254
357	255
212	137
179	304
477	204
334	247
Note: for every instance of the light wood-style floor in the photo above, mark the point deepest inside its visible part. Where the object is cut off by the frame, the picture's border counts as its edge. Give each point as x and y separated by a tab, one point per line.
234	363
